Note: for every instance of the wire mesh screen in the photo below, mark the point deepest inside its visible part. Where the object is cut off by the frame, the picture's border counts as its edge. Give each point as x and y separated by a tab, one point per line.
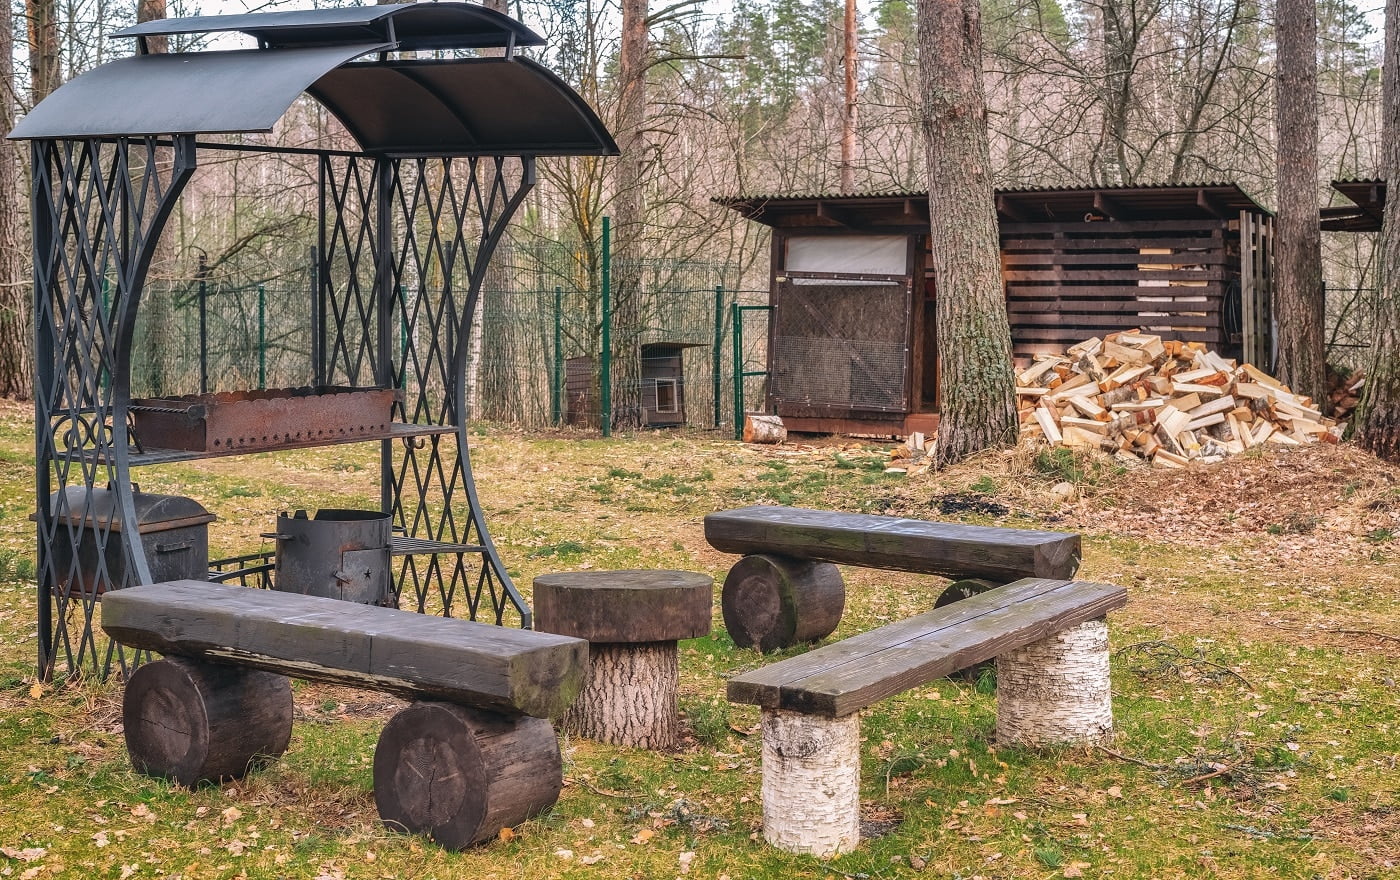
1351	321
841	347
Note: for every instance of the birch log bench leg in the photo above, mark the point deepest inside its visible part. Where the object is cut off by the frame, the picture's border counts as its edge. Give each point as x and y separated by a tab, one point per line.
472	754
1051	645
632	621
785	590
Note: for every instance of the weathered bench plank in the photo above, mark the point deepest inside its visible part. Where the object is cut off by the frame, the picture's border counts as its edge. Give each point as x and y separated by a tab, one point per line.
849	675
895	543
400	652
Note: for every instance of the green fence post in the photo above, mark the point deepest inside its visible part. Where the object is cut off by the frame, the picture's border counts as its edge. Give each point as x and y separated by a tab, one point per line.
556	379
262	336
605	374
738	371
718	353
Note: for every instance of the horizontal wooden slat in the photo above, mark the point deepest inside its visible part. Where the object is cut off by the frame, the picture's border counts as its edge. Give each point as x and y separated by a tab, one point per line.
1109	320
1192	259
1212	239
412	655
1129	307
1052	273
1024	289
847	676
888	542
1109	227
1068	336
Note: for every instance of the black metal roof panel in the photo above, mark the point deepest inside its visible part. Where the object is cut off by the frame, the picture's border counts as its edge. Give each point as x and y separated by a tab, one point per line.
468	106
474	105
406	25
196	93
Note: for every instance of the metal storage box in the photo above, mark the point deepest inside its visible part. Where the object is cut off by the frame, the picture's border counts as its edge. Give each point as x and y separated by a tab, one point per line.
174	532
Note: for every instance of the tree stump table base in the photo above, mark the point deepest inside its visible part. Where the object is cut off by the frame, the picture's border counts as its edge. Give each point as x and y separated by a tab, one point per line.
632	620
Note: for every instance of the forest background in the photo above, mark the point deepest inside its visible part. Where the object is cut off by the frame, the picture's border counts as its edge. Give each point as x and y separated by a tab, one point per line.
749	99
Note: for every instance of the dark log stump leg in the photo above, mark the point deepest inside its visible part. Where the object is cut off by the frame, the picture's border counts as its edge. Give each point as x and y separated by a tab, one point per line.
773	602
460	775
193	722
958	590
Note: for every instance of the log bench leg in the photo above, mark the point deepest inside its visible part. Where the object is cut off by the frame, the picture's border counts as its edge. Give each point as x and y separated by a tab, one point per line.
460	775
773	602
811	782
1056	690
630	696
194	722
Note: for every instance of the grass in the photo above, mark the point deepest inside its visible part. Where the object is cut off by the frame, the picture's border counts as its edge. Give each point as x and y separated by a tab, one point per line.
1253	675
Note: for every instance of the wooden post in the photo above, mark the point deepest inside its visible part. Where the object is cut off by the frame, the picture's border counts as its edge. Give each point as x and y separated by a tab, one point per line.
771	602
460	775
1056	690
811	782
195	722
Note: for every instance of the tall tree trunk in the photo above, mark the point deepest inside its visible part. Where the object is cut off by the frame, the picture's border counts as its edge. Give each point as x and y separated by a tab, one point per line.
975	384
1376	424
629	215
1298	296
16	350
43	48
848	118
157	309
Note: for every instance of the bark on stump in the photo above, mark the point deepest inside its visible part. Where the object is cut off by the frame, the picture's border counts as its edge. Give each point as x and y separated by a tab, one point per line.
811	782
1056	690
764	429
632	620
194	722
460	775
772	602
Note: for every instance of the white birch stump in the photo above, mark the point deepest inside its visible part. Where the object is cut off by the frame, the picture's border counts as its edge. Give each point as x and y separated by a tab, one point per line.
1056	690
811	782
629	696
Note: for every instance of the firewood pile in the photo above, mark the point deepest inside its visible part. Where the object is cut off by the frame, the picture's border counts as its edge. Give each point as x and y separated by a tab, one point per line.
1166	402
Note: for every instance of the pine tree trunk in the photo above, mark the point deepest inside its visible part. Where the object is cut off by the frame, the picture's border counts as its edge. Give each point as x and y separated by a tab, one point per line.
976	384
628	213
1298	296
43	48
1377	420
16	345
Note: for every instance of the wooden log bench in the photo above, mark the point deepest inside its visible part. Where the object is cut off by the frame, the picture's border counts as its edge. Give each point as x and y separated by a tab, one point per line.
1051	648
473	753
786	589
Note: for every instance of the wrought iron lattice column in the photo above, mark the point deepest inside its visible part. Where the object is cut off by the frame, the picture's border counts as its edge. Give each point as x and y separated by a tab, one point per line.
98	208
404	248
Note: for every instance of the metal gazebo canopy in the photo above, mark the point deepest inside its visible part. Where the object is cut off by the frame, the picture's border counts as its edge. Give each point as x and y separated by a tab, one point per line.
406	226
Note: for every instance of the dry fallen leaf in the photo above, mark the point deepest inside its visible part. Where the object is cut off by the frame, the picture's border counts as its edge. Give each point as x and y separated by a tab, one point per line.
28	854
1114	791
1075	869
506	834
231	815
644	835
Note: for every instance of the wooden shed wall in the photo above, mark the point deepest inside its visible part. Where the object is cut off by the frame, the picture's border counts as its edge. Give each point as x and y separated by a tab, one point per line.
1066	282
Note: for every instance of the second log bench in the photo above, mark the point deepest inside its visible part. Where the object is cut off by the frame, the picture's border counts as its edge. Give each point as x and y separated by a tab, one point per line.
785	589
1051	647
474	753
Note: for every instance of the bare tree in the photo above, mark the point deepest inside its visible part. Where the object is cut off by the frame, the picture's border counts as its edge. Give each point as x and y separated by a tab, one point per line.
976	385
1376	425
16	366
1298	296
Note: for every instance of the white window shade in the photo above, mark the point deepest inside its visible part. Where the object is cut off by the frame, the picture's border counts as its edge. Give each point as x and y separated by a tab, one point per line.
849	254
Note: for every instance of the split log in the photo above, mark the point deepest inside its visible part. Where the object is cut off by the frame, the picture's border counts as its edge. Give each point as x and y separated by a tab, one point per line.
763	429
460	775
771	602
194	722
